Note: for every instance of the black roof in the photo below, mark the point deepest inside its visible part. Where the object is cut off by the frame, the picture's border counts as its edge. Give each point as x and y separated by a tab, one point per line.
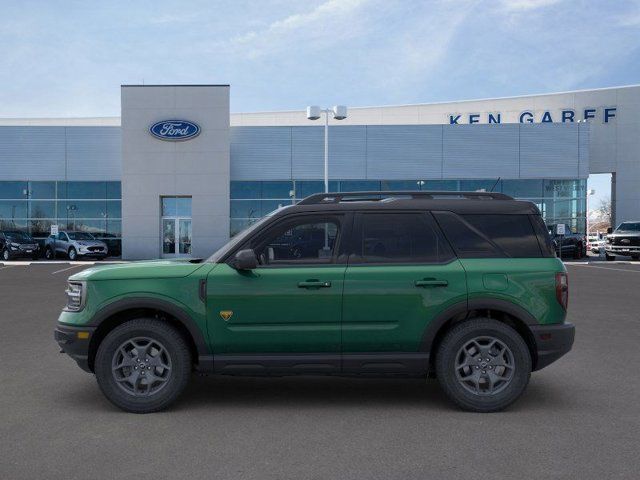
457	202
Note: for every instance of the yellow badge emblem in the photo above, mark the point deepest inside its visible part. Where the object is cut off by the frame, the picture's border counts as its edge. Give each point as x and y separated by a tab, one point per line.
226	314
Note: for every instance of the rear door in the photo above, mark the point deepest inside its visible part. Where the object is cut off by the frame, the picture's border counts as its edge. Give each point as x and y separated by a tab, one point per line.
401	275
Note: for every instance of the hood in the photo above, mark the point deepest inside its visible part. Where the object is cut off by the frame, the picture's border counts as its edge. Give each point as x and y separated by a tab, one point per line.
139	270
624	233
91	243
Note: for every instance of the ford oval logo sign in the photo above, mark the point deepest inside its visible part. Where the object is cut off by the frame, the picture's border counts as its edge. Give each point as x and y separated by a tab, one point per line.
174	130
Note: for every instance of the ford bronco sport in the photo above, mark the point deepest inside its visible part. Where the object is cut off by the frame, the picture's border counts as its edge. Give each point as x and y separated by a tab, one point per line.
462	286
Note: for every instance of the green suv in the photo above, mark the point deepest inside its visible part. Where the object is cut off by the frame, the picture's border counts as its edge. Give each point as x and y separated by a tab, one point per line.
461	286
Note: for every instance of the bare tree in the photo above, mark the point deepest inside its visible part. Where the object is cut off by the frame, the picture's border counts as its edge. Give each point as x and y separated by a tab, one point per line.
604	210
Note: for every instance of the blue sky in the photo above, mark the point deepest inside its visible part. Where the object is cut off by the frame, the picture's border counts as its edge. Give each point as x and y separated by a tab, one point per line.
68	58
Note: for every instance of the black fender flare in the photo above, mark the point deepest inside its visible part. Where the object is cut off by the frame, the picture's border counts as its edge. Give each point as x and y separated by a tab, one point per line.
156	304
462	309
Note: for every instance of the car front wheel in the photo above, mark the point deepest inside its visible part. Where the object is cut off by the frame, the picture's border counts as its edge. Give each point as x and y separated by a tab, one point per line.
143	365
483	365
6	255
610	258
73	254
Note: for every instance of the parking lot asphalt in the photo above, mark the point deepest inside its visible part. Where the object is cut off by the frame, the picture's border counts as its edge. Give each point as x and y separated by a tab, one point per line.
579	419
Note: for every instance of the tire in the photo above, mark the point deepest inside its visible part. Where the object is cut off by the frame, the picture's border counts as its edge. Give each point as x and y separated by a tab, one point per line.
48	254
610	258
6	256
635	257
143	399
512	381
577	253
73	255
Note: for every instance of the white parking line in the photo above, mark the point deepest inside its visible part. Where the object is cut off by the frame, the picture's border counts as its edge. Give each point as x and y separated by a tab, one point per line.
605	268
7	266
69	268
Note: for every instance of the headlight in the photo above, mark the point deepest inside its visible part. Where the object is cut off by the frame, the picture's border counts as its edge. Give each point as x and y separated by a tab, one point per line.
75	296
14	246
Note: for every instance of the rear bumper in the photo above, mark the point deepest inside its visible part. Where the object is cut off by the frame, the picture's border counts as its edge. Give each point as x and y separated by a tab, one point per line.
552	342
73	344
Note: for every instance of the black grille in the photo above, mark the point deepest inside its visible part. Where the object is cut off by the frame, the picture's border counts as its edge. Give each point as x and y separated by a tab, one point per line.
626	241
95	249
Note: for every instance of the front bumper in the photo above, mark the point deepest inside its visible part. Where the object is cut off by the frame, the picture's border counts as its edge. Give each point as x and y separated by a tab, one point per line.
552	342
74	341
621	250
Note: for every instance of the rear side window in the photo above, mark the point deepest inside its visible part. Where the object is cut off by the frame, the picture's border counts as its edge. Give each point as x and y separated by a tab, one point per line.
400	238
514	234
544	240
467	241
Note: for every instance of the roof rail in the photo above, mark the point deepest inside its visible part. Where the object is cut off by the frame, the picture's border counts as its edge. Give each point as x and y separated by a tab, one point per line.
323	198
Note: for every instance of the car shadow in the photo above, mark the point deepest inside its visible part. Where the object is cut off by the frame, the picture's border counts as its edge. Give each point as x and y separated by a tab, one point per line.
295	392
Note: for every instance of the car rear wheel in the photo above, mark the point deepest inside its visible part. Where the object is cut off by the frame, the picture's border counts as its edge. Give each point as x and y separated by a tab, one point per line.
577	253
73	254
483	365
48	254
143	365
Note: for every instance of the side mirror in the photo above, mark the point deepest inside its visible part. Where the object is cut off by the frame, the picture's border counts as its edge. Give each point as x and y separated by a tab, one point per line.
609	230
245	260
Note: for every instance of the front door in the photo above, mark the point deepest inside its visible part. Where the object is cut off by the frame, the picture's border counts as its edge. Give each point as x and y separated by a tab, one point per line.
289	308
401	275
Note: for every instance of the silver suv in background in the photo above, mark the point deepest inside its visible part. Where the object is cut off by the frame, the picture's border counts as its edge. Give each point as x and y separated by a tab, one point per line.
74	245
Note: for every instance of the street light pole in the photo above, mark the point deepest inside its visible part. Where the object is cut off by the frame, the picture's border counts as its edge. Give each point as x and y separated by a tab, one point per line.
314	112
326	151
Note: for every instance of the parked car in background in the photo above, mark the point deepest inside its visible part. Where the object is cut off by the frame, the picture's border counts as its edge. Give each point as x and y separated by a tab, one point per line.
572	244
18	244
625	240
74	245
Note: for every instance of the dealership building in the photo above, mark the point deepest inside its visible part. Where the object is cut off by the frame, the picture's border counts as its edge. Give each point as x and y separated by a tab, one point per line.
177	174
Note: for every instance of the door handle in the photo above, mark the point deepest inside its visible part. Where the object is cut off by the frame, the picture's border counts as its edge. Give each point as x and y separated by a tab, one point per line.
314	284
431	282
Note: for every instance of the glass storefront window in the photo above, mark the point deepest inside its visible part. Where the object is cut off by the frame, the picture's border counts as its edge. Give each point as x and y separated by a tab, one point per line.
441	185
359	185
522	188
276	190
33	207
400	185
13	190
42	209
82	190
304	188
13	209
114	190
42	190
245	209
114	209
250	190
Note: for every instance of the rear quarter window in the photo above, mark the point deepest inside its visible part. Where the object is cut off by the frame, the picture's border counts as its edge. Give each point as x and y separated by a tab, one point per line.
490	235
514	234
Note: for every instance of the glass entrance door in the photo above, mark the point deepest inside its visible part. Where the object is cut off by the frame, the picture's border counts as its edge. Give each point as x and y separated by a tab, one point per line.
176	237
176	227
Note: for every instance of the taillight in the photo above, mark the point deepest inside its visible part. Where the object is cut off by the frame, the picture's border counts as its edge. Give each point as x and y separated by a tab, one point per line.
562	289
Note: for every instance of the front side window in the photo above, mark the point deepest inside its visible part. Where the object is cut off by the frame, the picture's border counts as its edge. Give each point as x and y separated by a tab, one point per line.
400	238
303	240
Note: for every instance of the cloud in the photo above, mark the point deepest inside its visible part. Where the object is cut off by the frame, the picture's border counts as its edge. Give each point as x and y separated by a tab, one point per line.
328	23
526	5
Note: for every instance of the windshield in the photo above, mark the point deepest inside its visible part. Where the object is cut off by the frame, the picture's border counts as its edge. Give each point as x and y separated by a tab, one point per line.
241	237
80	236
19	237
629	227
